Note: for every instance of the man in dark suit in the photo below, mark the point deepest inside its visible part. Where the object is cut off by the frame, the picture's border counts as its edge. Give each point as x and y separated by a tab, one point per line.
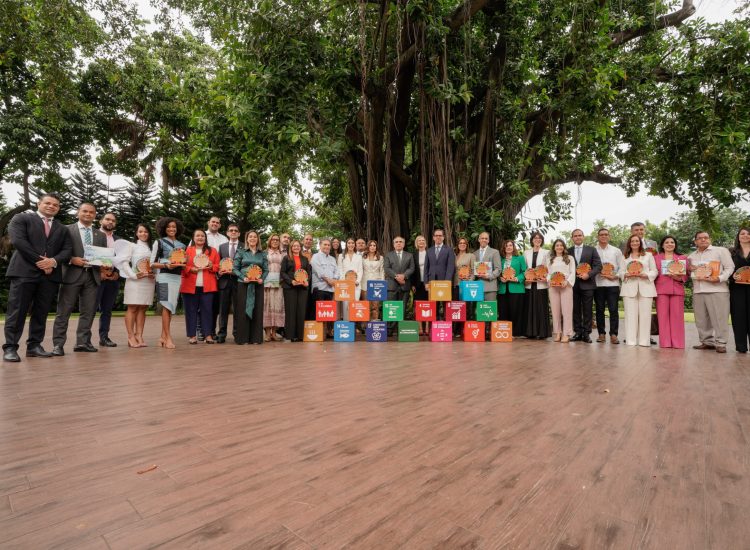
583	290
107	292
80	283
227	283
440	263
35	273
399	267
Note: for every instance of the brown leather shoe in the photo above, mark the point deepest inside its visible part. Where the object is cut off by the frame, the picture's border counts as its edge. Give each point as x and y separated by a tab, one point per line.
721	349
704	346
601	339
613	339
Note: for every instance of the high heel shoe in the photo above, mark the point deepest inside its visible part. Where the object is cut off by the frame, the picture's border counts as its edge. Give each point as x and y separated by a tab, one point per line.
556	337
192	340
565	339
131	345
165	344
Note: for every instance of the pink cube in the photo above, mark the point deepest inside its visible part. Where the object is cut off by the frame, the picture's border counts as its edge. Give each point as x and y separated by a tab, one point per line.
441	331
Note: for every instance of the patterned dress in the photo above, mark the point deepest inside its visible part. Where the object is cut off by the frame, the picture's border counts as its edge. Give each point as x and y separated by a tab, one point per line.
273	304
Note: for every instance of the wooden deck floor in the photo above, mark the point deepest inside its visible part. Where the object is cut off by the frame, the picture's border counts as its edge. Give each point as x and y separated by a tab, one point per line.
376	446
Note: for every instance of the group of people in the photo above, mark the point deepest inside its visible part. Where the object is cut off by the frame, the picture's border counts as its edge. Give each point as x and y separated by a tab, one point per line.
273	289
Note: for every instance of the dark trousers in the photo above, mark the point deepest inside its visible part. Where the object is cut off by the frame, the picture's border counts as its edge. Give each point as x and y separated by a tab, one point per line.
295	306
225	298
607	296
249	331
198	306
311	299
83	294
398	294
106	295
23	295
583	301
739	307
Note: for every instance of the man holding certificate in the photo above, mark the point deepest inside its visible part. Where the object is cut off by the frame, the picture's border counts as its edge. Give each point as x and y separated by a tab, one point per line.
81	278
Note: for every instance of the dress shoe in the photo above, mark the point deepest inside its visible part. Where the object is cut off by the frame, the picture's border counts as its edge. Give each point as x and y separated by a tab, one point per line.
556	337
107	343
37	351
220	339
613	339
601	339
721	349
85	347
586	339
575	338
704	346
11	356
58	351
653	342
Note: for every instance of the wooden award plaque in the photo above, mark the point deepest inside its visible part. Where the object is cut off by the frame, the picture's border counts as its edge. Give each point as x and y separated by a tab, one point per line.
226	265
703	271
177	257
351	275
583	268
464	272
143	266
509	273
301	276
201	261
253	273
634	268
676	267
557	279
541	272
608	269
482	269
742	275
530	275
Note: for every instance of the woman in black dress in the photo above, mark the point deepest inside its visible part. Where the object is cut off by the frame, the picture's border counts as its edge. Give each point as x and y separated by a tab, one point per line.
537	293
295	291
739	294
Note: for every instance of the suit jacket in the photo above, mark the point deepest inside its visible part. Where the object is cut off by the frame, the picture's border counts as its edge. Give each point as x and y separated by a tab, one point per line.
189	279
71	273
287	272
225	279
439	268
490	255
518	263
26	232
392	267
667	285
633	287
590	256
416	277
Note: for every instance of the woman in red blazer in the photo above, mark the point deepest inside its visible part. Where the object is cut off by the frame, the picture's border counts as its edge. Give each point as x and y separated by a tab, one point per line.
670	296
198	286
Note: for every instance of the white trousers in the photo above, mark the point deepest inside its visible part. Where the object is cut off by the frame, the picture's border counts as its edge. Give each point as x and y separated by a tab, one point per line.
638	321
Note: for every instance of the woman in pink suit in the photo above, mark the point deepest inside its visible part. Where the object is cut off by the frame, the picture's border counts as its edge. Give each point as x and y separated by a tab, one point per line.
670	296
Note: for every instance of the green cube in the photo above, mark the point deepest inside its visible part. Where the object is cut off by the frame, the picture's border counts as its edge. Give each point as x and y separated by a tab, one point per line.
487	311
393	310
408	331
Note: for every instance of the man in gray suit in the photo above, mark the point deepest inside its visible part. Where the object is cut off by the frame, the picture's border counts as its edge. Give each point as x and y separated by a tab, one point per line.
80	282
485	253
398	266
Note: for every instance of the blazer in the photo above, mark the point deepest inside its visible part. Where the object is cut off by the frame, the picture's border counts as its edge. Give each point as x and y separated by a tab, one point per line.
590	256
287	272
633	287
26	232
461	261
392	267
226	278
542	258
71	273
667	285
209	275
416	277
439	268
490	255
519	264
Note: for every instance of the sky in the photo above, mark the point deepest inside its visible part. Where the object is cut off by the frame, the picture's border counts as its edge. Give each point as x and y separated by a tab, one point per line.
591	201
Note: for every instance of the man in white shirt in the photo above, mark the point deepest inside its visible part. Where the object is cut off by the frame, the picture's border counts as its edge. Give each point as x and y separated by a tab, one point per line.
325	272
360	246
711	294
213	237
607	291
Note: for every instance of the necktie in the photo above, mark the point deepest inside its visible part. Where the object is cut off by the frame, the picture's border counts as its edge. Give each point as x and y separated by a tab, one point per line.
578	254
481	254
437	251
87	236
399	257
47	227
232	249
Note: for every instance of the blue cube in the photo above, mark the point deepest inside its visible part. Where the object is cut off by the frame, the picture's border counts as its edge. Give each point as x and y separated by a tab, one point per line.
377	291
376	331
471	291
343	331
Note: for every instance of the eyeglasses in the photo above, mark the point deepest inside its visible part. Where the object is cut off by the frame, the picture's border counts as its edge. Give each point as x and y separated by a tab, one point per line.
233	230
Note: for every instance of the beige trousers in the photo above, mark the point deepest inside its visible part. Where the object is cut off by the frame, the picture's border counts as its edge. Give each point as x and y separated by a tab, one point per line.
712	317
561	302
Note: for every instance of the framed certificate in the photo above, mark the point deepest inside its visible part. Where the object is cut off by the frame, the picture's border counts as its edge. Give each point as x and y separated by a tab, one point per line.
98	255
674	267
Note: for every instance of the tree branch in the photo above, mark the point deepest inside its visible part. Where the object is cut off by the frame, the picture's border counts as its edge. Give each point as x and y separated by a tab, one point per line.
673	19
597	176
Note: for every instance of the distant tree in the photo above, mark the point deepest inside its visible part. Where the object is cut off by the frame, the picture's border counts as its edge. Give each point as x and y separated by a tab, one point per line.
727	222
135	204
85	186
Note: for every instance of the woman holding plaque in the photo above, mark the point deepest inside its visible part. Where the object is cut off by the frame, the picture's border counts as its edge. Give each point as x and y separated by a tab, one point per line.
372	270
638	292
739	289
561	278
671	267
199	286
171	260
464	272
134	263
350	268
510	288
537	293
251	269
296	274
273	300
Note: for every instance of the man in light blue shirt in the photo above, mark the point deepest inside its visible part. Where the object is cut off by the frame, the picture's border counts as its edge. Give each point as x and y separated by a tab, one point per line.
324	271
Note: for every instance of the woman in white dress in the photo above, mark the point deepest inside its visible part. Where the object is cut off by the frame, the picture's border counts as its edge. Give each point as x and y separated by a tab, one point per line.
638	292
372	268
349	261
139	283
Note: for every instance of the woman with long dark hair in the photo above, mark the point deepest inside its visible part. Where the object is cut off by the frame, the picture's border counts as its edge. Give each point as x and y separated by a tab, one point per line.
134	264
670	294
169	278
510	289
537	293
739	293
561	278
199	286
295	285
